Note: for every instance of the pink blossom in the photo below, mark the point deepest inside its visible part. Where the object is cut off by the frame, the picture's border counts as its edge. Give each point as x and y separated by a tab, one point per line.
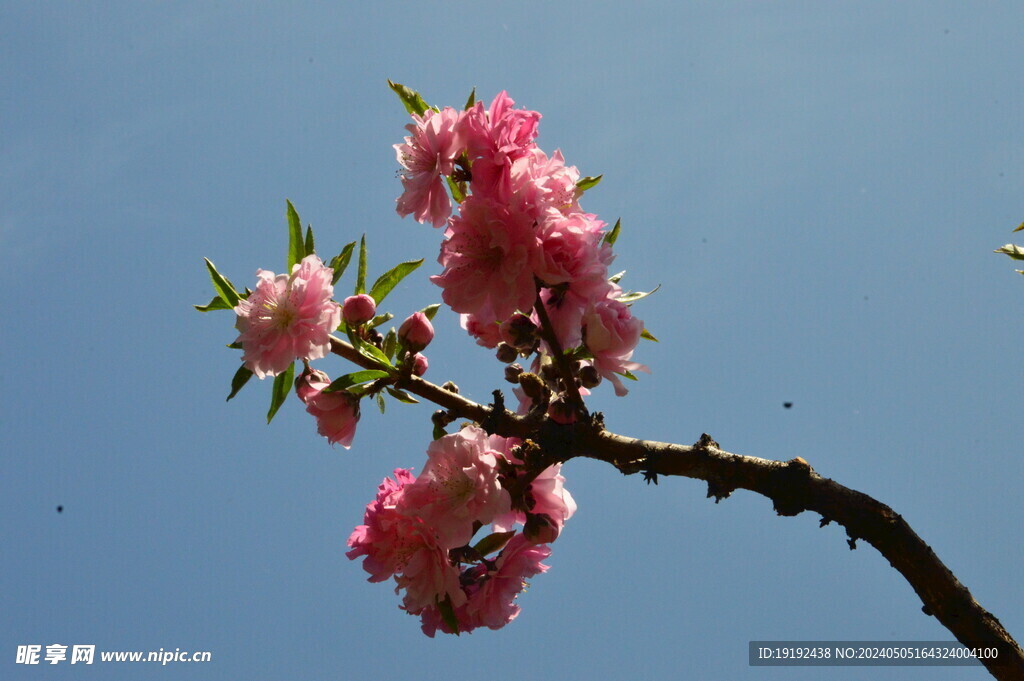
547	501
611	333
572	251
495	139
431	621
565	309
404	546
491	589
540	183
485	331
373	538
493	605
489	259
458	487
427	156
336	413
550	498
416	332
358	309
288	317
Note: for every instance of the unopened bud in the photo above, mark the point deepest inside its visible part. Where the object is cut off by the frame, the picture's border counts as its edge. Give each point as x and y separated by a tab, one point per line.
419	364
533	386
549	372
512	372
450	387
356	310
589	377
540	529
506	353
303	384
441	418
416	332
519	331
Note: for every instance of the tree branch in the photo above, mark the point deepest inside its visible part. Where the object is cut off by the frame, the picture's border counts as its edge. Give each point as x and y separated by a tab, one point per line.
793	487
547	332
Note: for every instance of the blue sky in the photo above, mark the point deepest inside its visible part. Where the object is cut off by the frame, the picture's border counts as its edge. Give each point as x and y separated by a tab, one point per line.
817	187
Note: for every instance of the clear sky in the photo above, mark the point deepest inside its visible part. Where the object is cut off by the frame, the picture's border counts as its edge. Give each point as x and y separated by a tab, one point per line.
817	187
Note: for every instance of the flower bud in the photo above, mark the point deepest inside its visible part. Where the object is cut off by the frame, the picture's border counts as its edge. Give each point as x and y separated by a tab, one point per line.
512	372
441	418
336	413
416	332
519	331
419	364
533	387
589	376
506	353
540	529
549	372
305	382
358	309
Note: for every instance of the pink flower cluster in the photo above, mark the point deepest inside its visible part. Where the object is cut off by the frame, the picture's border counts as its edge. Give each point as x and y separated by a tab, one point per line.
519	236
418	531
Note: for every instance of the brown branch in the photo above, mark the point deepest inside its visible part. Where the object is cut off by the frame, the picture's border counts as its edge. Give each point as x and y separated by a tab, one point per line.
793	487
547	332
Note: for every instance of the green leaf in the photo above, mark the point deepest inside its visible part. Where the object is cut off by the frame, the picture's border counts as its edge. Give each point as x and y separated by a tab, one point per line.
390	343
616	278
380	319
361	273
216	304
471	101
1020	228
580	352
355	378
296	246
448	614
310	246
387	281
373	352
340	262
458	189
626	373
493	542
647	335
241	377
380	402
430	310
401	395
586	183
634	296
361	391
611	237
235	346
365	349
222	286
1012	250
411	99
279	392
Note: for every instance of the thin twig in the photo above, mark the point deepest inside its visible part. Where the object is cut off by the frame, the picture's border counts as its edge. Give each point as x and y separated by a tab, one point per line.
547	332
